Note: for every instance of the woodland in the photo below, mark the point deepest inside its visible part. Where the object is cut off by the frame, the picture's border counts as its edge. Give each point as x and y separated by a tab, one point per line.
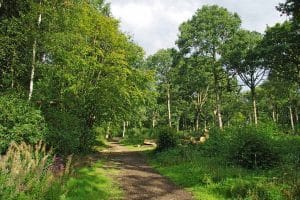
222	108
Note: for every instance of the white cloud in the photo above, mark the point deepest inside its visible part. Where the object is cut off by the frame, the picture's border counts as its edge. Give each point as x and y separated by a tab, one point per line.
154	23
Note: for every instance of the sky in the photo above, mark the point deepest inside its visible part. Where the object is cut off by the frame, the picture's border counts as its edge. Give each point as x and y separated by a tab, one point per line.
153	24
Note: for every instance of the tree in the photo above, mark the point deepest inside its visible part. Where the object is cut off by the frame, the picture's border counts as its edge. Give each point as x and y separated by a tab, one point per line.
194	83
162	62
290	7
205	35
241	57
281	52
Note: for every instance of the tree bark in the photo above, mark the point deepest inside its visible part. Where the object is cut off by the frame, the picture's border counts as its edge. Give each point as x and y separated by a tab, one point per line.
197	121
33	64
32	70
273	114
153	120
169	106
217	90
108	131
297	115
219	111
124	129
253	95
292	118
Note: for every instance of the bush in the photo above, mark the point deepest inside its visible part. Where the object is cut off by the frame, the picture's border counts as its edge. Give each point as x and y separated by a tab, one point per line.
289	149
137	136
251	147
19	122
250	189
65	132
26	173
217	144
167	138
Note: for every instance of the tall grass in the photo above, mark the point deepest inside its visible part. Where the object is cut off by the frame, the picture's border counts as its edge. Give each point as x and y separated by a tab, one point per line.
27	172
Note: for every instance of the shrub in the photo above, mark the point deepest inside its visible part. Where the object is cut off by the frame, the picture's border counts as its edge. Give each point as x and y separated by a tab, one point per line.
26	173
19	122
64	132
289	149
217	144
134	136
167	138
249	189
253	148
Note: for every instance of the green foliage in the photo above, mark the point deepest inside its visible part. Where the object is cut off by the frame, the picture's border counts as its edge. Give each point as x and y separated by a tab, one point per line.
19	122
250	189
212	178
167	138
136	136
217	143
64	133
252	147
289	149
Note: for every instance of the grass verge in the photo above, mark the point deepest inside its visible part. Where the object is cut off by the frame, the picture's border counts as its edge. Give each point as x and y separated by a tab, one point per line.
210	178
93	182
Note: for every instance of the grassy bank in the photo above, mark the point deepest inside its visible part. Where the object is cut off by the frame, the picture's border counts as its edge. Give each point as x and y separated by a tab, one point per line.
211	178
93	182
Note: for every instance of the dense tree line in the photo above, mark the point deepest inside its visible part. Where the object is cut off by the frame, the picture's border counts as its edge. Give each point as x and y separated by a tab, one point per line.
66	68
222	75
69	63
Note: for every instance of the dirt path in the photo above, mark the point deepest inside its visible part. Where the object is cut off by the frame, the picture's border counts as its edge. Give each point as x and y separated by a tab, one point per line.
138	179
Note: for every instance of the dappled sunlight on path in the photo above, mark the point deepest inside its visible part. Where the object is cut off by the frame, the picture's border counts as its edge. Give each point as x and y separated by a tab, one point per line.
138	179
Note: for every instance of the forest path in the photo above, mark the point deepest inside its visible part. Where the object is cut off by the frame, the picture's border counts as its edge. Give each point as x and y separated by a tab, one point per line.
138	180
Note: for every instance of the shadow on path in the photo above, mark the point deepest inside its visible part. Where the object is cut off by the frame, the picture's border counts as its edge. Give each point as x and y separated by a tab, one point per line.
138	179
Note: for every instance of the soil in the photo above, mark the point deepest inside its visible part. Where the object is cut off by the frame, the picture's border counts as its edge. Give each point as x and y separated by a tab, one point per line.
138	180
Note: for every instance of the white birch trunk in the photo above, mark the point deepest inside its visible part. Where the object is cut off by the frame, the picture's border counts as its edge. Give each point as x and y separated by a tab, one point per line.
169	106
219	112
292	118
124	129
273	114
33	65
32	70
297	115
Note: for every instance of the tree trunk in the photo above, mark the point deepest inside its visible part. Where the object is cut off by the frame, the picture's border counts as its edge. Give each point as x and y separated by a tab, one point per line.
217	90
253	95
297	115
33	64
153	120
197	121
273	114
169	106
32	70
219	112
108	131
124	129
292	118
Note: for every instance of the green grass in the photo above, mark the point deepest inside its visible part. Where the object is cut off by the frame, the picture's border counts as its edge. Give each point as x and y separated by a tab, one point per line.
210	178
93	183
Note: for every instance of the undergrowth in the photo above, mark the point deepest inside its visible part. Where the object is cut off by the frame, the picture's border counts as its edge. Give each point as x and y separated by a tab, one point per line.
224	167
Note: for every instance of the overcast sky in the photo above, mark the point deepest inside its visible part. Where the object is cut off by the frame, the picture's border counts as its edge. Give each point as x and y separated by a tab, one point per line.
154	23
